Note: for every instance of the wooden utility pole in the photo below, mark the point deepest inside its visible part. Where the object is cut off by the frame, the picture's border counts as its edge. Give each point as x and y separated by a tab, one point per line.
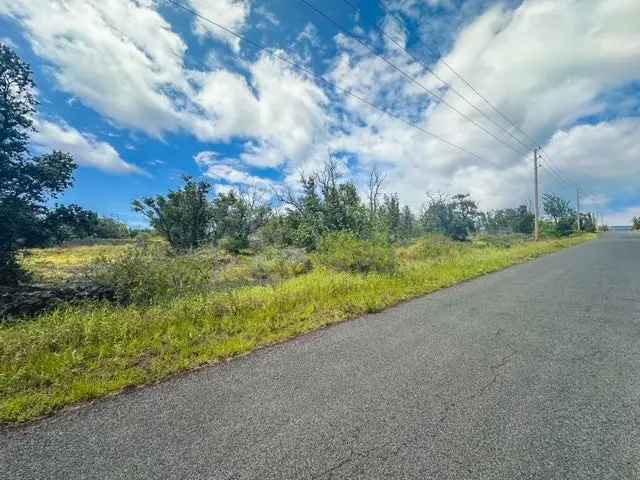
536	198
578	209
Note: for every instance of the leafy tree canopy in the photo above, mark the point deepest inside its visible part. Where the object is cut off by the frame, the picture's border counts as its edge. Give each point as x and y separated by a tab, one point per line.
26	182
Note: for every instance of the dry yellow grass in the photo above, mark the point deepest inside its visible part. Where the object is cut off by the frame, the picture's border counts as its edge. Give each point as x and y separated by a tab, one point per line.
62	263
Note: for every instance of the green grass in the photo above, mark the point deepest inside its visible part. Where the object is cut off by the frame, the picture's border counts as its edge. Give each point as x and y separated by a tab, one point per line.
81	353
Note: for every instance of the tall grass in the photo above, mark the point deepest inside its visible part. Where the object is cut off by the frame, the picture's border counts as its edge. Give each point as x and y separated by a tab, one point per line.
80	353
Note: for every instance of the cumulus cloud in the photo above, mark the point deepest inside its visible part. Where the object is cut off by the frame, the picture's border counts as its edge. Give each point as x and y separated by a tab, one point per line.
120	58
279	107
602	158
133	73
545	64
227	170
85	148
232	14
606	151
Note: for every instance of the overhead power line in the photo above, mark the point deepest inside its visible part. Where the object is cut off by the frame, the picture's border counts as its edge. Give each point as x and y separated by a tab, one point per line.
443	81
312	74
555	173
439	55
434	51
508	120
406	75
345	91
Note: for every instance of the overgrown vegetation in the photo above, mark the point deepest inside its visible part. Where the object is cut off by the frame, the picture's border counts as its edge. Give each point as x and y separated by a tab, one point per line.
83	352
152	273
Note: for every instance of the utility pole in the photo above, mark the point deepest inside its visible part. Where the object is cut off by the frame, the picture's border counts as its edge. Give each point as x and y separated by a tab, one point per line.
578	209
536	199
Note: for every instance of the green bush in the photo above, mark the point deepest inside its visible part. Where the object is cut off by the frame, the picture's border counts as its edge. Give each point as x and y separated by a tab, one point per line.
151	273
147	274
345	252
566	226
274	264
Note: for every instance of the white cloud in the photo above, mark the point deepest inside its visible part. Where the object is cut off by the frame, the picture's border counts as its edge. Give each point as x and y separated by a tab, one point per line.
309	34
605	152
267	15
85	148
120	58
232	14
133	73
280	108
227	170
545	64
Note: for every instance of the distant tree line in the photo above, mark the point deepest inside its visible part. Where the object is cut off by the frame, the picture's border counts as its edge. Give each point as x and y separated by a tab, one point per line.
323	203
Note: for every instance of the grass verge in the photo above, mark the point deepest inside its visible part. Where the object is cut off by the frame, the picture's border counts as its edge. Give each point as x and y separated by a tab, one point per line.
81	353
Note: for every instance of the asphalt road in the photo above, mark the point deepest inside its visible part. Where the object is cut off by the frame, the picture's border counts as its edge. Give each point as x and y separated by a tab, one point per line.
533	372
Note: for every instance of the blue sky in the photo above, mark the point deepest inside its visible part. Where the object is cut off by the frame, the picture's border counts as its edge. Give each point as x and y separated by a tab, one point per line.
142	92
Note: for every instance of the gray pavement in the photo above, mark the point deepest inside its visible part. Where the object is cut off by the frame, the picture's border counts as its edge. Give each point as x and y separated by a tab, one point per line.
533	372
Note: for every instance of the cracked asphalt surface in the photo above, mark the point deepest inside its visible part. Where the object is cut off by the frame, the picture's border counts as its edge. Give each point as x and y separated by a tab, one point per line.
532	372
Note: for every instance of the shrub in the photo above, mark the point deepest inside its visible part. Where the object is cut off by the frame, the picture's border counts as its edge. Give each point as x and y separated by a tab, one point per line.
345	252
279	264
147	274
151	273
565	226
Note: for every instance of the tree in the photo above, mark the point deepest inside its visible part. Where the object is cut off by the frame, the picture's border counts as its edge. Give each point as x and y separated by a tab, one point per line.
66	222
564	217
184	217
375	182
511	220
407	224
557	208
324	204
636	223
26	182
454	216
237	215
112	228
391	216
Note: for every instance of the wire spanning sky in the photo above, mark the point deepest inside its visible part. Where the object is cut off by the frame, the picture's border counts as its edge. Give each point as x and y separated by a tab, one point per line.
143	91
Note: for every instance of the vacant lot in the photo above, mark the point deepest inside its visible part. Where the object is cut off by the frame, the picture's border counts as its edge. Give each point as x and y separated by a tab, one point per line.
178	313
